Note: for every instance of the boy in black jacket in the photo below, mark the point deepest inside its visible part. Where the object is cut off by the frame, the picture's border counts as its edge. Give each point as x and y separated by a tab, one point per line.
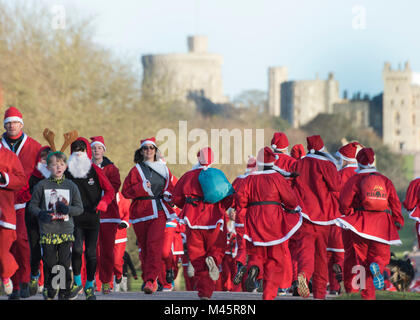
55	201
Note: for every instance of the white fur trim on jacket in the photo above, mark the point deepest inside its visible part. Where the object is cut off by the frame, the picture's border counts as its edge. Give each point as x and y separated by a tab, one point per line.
410	215
7	225
6	178
345	225
25	137
322	223
277	241
219	222
122	240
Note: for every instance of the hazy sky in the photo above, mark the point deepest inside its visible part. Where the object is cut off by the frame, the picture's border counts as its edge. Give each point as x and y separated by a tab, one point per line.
351	38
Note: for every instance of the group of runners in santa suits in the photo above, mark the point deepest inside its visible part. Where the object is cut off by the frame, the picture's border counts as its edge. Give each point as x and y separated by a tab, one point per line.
294	220
100	237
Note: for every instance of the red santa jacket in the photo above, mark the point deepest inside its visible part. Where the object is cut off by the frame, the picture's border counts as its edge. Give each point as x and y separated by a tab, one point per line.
412	200
27	153
124	213
112	214
335	239
377	226
347	172
284	162
316	188
240	212
199	215
12	171
268	224
135	186
177	246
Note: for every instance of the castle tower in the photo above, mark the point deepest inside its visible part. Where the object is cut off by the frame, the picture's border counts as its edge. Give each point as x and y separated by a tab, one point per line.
332	94
276	76
178	75
401	122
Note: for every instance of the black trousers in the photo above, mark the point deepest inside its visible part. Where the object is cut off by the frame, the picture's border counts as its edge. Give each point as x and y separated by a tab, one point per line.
90	238
57	259
32	227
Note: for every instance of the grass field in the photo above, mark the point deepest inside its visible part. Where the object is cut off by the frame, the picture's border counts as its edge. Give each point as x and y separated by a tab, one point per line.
383	295
408	237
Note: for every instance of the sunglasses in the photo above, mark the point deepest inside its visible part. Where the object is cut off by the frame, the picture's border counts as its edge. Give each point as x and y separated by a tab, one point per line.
148	147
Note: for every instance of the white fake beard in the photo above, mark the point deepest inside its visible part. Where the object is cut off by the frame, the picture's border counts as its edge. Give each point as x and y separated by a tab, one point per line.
79	164
42	167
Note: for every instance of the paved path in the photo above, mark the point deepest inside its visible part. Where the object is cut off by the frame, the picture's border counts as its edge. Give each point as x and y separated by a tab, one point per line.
177	296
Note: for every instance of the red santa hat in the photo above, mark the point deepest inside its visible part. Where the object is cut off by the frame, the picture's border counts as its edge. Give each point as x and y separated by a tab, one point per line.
151	141
266	157
205	156
279	141
315	143
98	140
251	164
12	114
298	151
348	152
366	157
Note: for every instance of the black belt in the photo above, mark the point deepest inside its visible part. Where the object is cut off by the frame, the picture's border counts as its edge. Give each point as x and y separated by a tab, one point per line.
149	198
363	209
192	200
260	203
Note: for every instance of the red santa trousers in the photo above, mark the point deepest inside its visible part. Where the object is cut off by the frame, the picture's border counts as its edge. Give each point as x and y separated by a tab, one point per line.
347	263
8	264
119	249
107	232
190	283
277	266
228	273
334	257
241	256
21	251
292	247
202	243
168	240
365	252
150	236
162	274
311	254
254	260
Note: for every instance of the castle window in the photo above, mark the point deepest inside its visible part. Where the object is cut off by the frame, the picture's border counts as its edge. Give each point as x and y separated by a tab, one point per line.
392	103
402	102
413	118
397	89
397	132
397	118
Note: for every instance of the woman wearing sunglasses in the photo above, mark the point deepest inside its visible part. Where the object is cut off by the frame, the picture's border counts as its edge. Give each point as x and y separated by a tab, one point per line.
149	185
